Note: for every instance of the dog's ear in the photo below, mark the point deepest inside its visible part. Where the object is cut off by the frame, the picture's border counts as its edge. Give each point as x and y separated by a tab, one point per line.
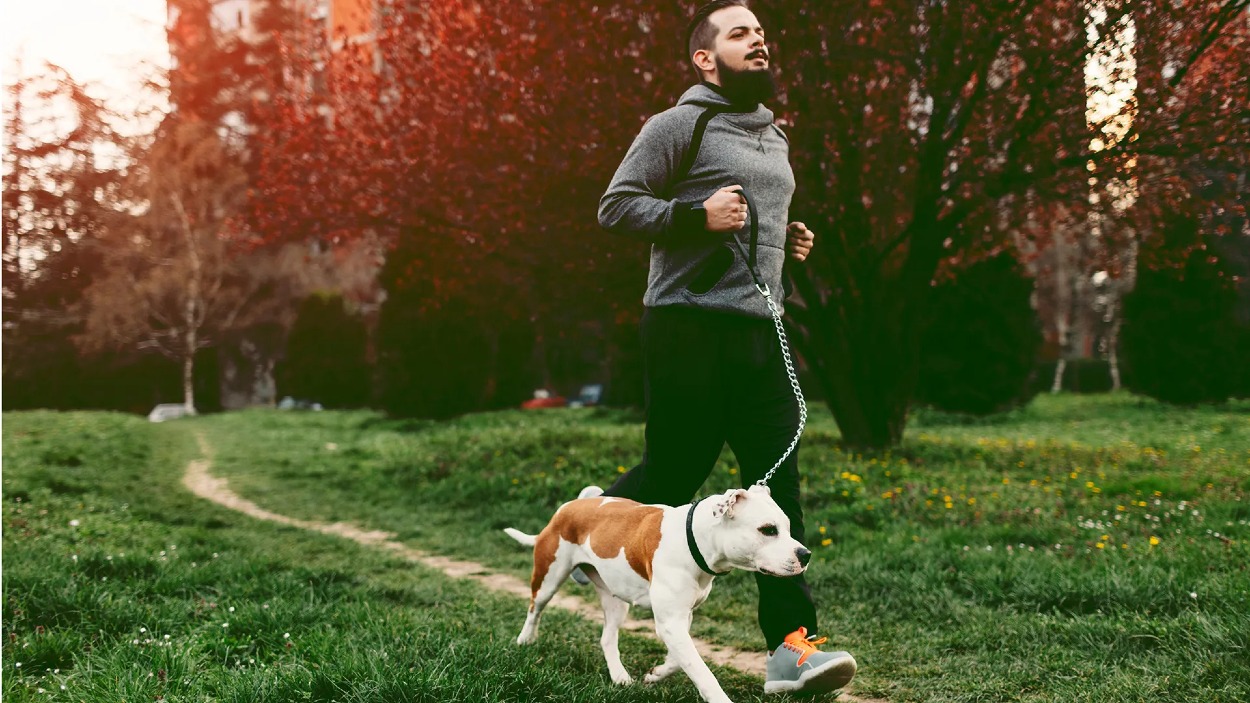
725	504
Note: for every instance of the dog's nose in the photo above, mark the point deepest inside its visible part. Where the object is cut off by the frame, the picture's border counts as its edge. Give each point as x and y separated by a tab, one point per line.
804	554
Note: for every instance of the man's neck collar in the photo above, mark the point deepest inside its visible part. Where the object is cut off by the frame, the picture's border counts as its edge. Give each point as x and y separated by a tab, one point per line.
738	106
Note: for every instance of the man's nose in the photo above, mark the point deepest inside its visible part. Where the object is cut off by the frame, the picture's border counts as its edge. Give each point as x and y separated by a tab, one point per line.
804	554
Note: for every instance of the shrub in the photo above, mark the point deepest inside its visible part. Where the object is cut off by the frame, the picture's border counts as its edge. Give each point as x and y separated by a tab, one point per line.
325	355
981	340
1181	342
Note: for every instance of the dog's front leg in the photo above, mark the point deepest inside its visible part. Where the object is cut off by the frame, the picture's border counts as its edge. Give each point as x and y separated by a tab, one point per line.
672	622
670	665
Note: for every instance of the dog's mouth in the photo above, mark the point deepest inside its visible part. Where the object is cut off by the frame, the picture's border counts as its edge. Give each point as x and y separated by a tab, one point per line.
778	574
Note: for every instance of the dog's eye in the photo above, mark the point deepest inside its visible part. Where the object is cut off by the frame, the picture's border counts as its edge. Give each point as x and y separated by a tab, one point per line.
769	530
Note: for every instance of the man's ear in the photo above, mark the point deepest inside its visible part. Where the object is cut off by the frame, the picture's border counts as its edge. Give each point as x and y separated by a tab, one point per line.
725	504
704	61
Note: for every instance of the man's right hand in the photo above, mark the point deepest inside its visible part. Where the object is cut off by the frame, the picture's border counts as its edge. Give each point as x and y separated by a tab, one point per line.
726	210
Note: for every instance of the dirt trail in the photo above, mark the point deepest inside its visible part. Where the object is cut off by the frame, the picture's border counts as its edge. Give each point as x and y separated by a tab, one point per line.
201	482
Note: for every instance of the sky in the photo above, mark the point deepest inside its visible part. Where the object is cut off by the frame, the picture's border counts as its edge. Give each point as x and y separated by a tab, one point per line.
112	45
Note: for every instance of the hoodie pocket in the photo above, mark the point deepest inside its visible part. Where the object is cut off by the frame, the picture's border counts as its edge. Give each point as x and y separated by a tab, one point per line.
711	271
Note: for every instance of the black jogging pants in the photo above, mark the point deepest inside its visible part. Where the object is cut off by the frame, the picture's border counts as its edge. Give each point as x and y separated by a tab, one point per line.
712	378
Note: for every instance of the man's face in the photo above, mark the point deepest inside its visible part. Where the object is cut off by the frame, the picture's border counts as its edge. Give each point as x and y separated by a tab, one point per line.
739	42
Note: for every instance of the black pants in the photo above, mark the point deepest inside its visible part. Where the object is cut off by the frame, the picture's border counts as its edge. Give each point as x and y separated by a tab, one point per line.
712	378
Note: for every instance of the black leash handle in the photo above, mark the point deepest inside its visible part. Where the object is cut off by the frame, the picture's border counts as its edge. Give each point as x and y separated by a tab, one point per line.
749	256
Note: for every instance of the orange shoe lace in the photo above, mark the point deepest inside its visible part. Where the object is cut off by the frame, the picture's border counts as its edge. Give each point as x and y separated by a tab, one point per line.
797	641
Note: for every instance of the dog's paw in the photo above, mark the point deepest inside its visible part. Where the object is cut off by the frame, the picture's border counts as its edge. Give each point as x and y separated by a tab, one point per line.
526	638
622	679
654	676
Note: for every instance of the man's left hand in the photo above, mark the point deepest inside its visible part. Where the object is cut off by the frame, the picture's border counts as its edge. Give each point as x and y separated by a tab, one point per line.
799	240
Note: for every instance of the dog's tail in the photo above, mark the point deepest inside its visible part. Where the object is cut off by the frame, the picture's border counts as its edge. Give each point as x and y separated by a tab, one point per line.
527	540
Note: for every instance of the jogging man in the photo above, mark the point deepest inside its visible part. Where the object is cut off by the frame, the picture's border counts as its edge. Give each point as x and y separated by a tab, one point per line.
708	184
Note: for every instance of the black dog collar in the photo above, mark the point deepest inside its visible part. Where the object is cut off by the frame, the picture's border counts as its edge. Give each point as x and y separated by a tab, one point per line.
694	548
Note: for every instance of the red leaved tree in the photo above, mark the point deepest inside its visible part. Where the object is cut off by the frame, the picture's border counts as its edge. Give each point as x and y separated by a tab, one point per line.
926	134
477	139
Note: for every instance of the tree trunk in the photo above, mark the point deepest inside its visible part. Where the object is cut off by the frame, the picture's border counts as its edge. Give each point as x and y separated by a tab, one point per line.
1056	384
188	380
192	306
1113	351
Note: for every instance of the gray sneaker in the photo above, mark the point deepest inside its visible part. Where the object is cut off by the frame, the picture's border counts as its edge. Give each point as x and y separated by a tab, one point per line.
797	666
578	575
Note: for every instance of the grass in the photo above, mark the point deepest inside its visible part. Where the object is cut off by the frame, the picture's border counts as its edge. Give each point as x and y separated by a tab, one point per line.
1079	549
121	586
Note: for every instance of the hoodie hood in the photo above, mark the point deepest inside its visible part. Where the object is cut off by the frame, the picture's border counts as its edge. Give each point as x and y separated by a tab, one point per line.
704	95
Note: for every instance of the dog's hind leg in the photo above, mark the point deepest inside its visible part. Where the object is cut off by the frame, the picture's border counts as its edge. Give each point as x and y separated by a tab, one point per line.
550	570
614	611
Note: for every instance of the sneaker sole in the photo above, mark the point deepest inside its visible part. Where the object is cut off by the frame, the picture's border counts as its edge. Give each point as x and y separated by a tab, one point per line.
832	676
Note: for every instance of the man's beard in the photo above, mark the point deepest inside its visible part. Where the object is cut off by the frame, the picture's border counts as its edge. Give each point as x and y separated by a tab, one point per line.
745	87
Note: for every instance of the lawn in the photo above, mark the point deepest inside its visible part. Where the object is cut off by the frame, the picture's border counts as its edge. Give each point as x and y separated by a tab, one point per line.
1080	549
121	586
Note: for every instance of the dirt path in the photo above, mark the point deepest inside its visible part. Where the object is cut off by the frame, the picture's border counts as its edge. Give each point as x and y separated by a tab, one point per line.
202	483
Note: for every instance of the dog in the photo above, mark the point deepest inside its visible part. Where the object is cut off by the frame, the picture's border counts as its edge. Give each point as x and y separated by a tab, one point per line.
660	557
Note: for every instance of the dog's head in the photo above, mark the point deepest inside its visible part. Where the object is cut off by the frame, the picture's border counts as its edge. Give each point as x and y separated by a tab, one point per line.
754	534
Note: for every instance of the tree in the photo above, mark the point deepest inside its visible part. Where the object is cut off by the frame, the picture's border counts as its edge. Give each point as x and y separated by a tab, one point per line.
924	136
414	154
59	190
170	285
919	126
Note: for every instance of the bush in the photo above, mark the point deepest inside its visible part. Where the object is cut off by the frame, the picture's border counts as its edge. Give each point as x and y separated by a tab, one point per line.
1182	340
431	364
325	355
981	340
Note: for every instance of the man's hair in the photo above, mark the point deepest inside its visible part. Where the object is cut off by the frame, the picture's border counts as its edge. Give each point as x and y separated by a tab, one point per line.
701	33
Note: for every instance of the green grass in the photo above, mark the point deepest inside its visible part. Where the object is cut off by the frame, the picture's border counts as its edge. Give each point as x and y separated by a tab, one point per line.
121	586
1080	549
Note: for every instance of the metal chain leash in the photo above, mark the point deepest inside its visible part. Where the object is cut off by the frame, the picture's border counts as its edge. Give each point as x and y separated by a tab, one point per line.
794	381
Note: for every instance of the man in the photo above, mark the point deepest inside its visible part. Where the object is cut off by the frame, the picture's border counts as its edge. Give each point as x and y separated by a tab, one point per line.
708	184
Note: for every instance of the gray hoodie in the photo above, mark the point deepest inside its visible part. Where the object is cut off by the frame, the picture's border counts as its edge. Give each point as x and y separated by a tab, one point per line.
648	199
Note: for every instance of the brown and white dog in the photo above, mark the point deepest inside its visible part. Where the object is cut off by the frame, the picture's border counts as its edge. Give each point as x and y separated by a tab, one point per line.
649	555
